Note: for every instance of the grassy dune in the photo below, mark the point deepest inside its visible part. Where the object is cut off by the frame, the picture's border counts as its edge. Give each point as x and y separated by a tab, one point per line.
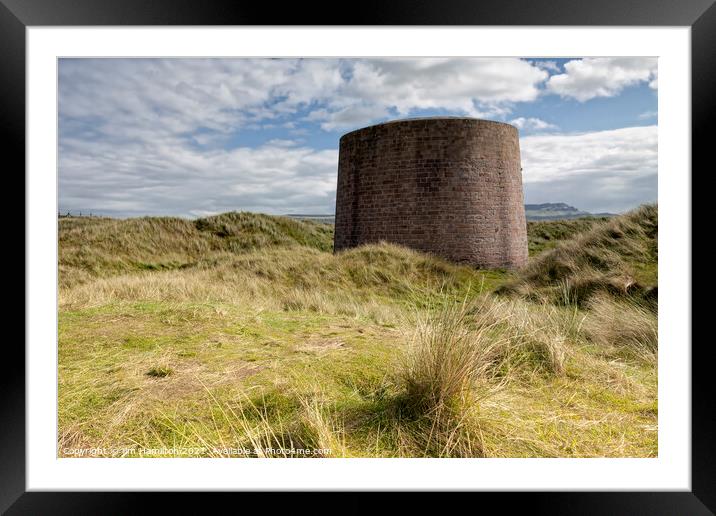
618	256
242	334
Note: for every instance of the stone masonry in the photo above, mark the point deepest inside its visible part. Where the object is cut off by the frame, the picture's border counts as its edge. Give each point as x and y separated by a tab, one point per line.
447	186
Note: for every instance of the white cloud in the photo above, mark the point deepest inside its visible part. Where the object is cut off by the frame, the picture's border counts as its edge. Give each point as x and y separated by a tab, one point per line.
156	135
135	100
348	117
163	177
531	124
588	78
279	142
163	136
648	114
654	84
456	84
629	151
552	66
374	88
604	171
138	98
480	87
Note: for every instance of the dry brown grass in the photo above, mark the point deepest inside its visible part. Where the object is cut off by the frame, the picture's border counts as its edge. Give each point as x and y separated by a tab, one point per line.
448	357
100	247
318	431
626	327
373	282
462	354
377	351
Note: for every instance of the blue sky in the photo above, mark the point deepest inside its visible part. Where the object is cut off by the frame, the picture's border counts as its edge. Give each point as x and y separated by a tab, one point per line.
193	137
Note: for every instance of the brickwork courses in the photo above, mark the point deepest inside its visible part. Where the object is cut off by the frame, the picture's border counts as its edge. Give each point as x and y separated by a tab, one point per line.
447	186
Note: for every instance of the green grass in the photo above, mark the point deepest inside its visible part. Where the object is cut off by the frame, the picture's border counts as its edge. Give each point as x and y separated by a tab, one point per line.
95	247
244	331
160	371
544	235
618	256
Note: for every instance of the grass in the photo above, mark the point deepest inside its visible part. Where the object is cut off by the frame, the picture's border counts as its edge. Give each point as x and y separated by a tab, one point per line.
625	327
243	335
617	257
546	234
101	247
160	371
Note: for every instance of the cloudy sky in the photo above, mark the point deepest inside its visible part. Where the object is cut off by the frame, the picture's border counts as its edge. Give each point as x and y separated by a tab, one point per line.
193	137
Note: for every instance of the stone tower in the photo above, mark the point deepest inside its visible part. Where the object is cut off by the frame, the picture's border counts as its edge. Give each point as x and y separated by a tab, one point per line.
446	185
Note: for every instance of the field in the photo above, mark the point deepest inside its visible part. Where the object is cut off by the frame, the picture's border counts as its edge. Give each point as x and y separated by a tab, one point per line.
244	335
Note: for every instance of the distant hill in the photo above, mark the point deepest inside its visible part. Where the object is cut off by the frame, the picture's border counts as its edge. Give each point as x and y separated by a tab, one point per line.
558	210
546	211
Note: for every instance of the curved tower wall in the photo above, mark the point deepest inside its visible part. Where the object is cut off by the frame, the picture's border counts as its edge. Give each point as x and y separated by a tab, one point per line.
448	186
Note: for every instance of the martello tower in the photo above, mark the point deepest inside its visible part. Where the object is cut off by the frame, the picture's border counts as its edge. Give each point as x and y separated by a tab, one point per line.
446	185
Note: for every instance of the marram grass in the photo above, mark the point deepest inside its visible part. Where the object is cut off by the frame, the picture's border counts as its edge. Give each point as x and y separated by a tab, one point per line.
242	335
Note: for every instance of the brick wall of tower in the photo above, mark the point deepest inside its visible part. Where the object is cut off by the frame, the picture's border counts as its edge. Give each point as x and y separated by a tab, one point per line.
448	186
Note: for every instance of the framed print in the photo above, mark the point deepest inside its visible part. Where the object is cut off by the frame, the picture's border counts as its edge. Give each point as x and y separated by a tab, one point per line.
413	250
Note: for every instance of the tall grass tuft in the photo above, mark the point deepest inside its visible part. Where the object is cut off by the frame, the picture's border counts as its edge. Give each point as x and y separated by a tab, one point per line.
535	337
447	357
463	353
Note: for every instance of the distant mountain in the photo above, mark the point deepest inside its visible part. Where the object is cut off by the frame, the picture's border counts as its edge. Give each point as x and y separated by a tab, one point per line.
558	210
546	211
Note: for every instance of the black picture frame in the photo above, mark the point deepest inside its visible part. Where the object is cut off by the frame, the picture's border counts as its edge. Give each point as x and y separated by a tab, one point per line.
17	15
